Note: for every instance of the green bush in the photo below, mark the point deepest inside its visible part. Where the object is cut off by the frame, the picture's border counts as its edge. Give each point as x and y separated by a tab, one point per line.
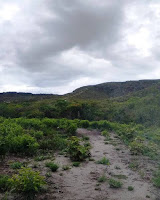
76	164
71	129
105	133
50	123
3	148
156	179
87	145
138	146
85	138
37	134
56	142
77	151
103	161
102	179
4	183
27	181
16	165
52	166
94	125
42	157
23	144
9	127
114	183
104	125
133	165
130	188
34	123
84	123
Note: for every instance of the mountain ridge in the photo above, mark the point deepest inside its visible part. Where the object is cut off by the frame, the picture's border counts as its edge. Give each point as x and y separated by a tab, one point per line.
98	91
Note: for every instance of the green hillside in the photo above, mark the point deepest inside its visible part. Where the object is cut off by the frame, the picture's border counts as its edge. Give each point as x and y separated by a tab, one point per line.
113	89
35	130
124	102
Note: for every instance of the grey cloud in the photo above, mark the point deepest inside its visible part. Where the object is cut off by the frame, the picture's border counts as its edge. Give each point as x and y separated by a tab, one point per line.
76	24
50	44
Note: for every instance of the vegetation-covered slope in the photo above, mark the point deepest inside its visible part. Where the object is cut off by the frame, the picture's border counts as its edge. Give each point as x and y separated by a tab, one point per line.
37	130
113	89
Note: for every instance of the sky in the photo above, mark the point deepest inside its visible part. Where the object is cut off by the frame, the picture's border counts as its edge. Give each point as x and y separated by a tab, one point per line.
56	46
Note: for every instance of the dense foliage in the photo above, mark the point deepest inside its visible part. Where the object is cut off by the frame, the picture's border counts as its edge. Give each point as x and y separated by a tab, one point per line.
39	127
28	136
27	181
76	150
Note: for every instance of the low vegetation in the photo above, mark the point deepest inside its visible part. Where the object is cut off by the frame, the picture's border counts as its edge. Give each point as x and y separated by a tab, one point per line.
77	151
103	161
76	164
16	165
114	183
37	129
4	183
27	182
130	188
52	166
156	179
102	179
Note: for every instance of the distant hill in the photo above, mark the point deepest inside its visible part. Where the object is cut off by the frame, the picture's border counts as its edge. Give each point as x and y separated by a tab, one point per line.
20	96
112	89
93	92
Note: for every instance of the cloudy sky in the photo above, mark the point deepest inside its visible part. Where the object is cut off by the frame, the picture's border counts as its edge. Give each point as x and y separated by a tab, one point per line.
56	46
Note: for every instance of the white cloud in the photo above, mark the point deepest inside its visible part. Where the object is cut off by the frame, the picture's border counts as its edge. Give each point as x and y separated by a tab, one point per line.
8	11
56	46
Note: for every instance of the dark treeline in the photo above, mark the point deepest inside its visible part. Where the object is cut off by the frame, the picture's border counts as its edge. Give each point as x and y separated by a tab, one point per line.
142	110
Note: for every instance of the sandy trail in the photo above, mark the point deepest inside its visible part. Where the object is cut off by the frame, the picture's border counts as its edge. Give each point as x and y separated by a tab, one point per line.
80	183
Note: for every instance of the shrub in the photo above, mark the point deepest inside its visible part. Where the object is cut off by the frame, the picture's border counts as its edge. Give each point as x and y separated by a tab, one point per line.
114	183
16	165
103	161
133	165
27	181
84	123
76	164
120	176
38	135
65	167
105	133
52	166
54	143
24	144
87	145
47	144
129	134
85	138
156	179
71	129
102	179
137	146
77	151
50	123
4	182
42	157
3	148
9	127
30	123
130	188
94	124
104	125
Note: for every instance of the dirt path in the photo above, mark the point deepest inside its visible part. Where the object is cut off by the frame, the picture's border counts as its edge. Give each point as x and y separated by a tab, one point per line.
80	183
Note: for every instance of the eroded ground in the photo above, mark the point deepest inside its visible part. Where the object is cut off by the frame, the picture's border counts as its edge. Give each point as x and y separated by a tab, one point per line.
80	183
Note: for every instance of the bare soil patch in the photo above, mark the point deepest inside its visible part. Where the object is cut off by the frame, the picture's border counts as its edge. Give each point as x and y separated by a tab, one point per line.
81	183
